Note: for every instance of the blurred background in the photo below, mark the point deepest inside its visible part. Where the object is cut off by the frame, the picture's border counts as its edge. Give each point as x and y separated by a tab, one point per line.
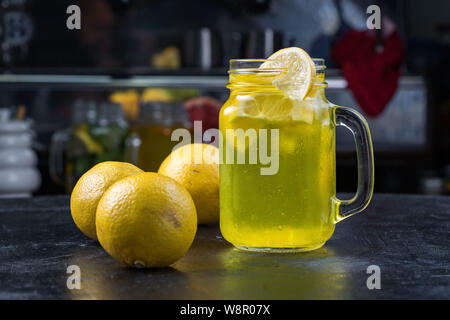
137	70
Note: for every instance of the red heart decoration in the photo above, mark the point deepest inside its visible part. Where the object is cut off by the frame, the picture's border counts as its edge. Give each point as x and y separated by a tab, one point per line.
372	75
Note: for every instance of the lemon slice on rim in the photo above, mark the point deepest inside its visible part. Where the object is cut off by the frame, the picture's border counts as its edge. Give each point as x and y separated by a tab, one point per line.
300	71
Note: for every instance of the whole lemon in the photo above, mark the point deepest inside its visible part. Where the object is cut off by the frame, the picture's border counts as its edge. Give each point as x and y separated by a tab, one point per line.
146	220
91	187
196	167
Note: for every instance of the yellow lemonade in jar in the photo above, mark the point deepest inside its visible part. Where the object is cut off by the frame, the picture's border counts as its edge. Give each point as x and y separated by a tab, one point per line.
291	208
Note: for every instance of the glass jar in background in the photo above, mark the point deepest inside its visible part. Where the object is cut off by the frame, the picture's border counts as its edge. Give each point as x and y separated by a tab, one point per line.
97	134
150	139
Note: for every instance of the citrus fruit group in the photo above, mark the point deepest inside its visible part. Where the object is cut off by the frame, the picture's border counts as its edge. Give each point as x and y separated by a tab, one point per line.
91	187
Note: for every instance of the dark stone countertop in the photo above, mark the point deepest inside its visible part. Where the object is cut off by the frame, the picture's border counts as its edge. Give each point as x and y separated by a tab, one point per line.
407	236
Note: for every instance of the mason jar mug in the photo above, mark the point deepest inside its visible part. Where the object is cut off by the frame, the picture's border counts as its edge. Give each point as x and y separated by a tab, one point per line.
278	167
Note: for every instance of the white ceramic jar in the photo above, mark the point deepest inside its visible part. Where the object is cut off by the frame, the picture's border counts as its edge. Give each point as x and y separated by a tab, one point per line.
19	176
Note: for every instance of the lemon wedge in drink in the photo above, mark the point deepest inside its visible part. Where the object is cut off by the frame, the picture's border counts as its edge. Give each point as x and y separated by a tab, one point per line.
300	72
265	106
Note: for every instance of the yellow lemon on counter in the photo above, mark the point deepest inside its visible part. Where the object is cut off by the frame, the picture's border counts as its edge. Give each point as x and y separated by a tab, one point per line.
146	220
91	187
196	167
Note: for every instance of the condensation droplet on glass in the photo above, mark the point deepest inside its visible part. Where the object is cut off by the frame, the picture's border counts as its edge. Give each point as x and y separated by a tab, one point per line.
139	264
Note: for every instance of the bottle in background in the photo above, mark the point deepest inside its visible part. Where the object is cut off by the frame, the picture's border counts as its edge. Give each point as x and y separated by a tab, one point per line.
150	140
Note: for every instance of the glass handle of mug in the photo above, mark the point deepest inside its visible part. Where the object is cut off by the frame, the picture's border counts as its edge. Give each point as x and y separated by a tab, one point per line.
132	145
356	123
56	156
